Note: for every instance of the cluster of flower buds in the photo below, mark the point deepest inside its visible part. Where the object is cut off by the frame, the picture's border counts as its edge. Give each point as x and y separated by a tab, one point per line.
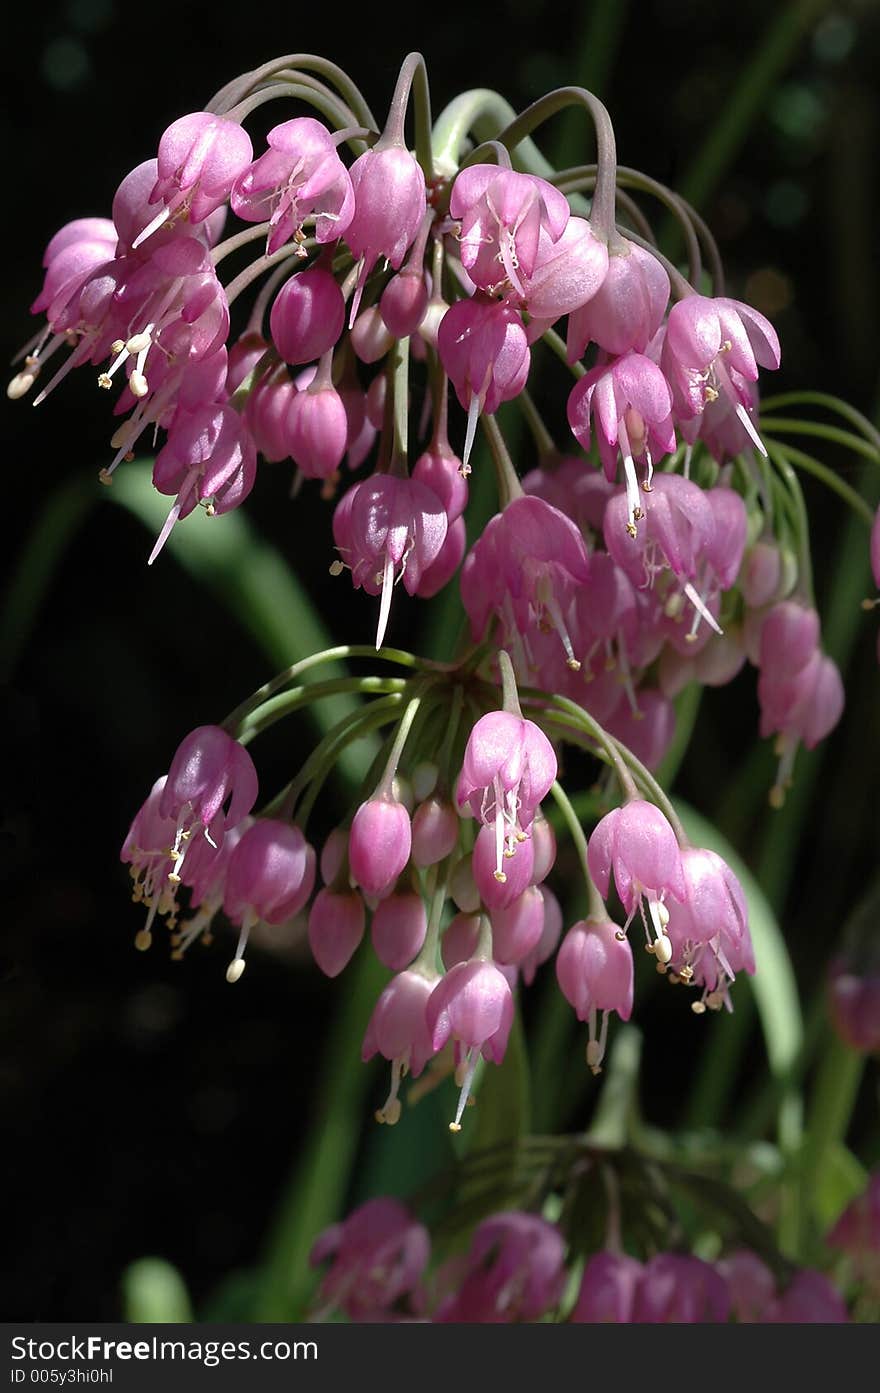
516	1270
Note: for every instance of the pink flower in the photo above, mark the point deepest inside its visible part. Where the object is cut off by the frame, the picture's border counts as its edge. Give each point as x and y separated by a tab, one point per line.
509	766
299	176
200	157
517	929
336	927
709	929
630	404
627	309
809	1299
594	968
398	1030
857	1233
607	1290
378	1255
676	1288
568	272
514	1272
389	528
473	1006
211	786
484	348
502	215
751	1284
854	1003
398	929
209	457
379	843
307	316
390	204
525	568
637	845
435	829
550	935
270	876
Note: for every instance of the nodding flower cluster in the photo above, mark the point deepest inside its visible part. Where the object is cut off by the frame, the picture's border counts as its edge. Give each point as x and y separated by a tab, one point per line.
517	1270
662	544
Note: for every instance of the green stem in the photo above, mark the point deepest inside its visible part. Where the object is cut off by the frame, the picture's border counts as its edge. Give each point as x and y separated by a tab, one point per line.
383	787
602	210
277	708
557	346
325	753
540	434
831	403
509	486
796	426
828	477
413	77
327	655
779	456
378	715
400	407
351	94
488	110
563	802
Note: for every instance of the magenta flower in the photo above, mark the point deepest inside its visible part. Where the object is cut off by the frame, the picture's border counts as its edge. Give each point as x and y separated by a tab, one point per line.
809	1299
551	932
151	850
525	568
678	1289
473	1006
211	786
270	876
503	215
509	766
705	341
567	272
751	1284
200	158
637	845
854	1003
514	1272
607	1291
388	529
435	828
300	176
630	405
856	1233
336	927
517	929
594	968
398	929
484	349
209	457
709	929
316	429
307	316
398	1030
627	309
389	206
499	886
379	843
377	1256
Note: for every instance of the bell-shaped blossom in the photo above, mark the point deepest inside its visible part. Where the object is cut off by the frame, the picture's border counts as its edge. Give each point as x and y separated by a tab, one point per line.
316	429
509	766
854	1003
751	1284
499	884
152	850
209	457
435	828
706	340
211	786
398	1030
525	568
377	1257
629	403
857	1234
398	929
551	933
307	316
517	929
379	843
709	928
387	529
503	214
678	1289
473	1006
677	536
567	273
809	1299
637	845
270	876
389	207
484	349
607	1290
627	309
446	562
336	927
594	968
514	1272
299	177
200	157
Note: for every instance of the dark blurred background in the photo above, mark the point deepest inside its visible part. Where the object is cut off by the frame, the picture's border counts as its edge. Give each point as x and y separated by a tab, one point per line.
148	1107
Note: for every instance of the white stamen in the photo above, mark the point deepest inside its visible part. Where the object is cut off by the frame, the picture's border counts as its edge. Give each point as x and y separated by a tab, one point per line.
696	600
151	227
750	430
385	603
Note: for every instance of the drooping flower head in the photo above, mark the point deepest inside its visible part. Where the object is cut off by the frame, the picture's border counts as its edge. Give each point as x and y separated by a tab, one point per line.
377	1257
